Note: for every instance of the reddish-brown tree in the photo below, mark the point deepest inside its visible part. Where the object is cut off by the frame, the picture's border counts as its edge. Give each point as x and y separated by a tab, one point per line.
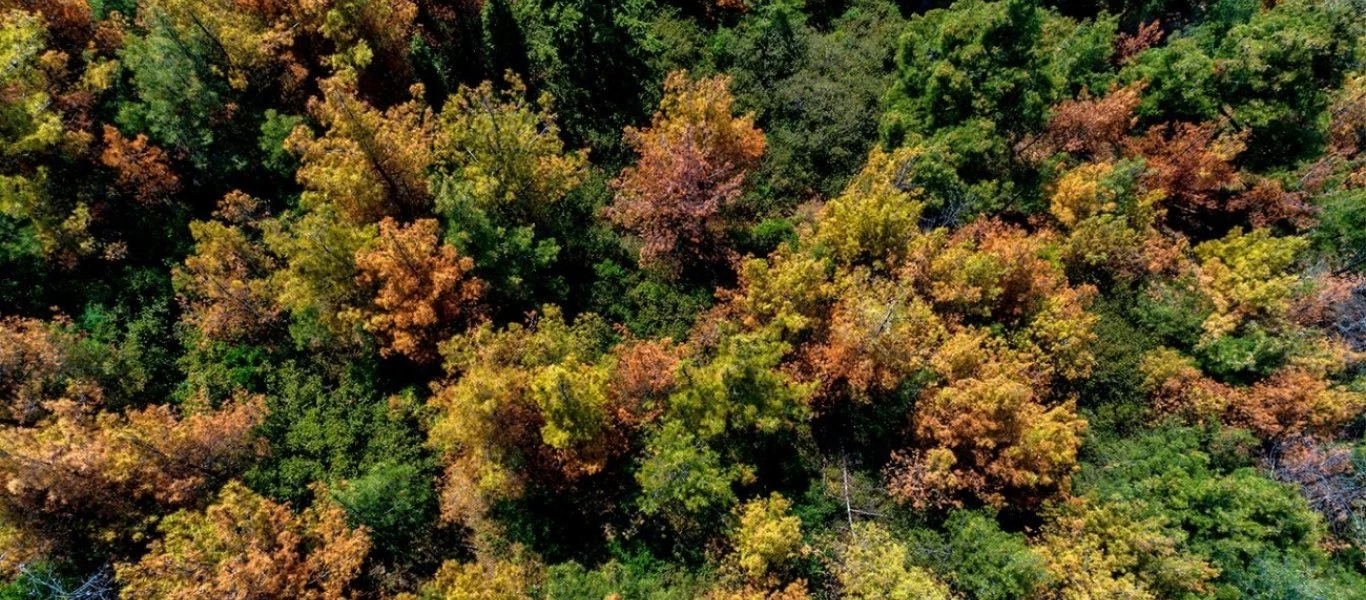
678	197
82	476
1092	128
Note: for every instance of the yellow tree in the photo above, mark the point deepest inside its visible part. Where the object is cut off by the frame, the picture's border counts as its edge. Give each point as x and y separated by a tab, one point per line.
878	213
767	539
368	164
319	250
503	155
870	564
533	403
225	284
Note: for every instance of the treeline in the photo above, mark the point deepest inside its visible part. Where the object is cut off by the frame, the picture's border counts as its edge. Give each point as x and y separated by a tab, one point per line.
732	299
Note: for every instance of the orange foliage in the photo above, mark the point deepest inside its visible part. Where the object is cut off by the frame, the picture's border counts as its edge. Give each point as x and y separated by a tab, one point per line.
1295	400
1347	128
1193	164
991	435
879	334
693	162
246	546
32	364
224	285
1089	127
142	169
1128	45
646	372
107	470
1267	202
423	288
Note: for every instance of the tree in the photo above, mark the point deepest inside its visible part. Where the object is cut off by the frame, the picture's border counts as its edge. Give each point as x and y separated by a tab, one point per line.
767	539
871	564
947	78
35	143
423	288
1089	127
35	368
491	578
318	280
502	177
873	221
1199	488
141	169
368	164
1098	549
1248	278
225	285
246	546
987	394
83	477
679	196
592	57
526	404
503	154
983	561
681	478
1293	401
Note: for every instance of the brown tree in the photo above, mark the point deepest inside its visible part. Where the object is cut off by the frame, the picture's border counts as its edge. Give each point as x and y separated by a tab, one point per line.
1089	127
140	168
225	286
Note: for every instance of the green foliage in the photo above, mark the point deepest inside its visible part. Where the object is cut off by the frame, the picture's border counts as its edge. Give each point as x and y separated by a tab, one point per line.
1341	233
591	56
989	563
939	255
394	500
681	478
1272	69
331	430
1249	527
632	576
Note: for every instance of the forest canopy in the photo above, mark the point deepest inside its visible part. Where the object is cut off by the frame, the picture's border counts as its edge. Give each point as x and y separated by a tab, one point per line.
676	299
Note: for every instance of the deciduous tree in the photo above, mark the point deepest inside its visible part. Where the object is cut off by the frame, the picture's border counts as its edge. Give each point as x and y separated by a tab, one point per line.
246	546
422	288
679	196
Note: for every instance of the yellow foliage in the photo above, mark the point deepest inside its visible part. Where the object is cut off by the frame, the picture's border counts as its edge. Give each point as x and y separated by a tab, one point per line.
769	536
485	579
503	154
1248	277
872	565
1102	550
878	213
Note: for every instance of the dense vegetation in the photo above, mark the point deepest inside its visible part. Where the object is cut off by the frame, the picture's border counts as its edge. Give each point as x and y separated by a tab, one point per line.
657	299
